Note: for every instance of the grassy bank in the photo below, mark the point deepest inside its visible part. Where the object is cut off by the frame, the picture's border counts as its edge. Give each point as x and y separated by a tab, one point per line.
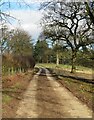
79	83
80	69
82	90
13	87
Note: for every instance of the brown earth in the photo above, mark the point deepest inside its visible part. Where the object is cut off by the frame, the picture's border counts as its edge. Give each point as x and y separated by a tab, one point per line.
45	98
13	88
80	84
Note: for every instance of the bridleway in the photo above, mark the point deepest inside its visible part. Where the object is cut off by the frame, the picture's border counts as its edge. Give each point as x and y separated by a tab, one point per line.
46	98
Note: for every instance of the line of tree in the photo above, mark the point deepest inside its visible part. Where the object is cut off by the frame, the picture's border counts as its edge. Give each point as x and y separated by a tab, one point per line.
69	26
17	50
45	53
15	45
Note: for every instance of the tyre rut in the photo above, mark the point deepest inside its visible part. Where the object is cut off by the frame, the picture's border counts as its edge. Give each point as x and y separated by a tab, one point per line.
46	98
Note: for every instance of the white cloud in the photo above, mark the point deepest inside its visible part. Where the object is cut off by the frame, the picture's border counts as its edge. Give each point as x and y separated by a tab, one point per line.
29	19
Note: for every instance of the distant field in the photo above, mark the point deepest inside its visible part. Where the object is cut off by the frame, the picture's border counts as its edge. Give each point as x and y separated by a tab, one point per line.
66	67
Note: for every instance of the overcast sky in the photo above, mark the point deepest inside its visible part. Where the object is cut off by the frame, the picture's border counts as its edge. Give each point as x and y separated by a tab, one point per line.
29	21
29	17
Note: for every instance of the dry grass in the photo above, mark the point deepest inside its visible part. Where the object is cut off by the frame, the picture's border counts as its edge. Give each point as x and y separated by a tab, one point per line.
84	91
13	88
79	69
80	83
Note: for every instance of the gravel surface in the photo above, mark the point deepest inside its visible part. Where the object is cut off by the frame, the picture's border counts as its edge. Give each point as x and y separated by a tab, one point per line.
46	98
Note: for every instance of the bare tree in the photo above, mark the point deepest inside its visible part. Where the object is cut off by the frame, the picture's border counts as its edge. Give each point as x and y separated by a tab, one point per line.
75	28
6	17
89	11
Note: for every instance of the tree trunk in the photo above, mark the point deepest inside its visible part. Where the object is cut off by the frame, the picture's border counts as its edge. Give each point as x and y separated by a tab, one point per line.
0	83
47	60
57	58
73	69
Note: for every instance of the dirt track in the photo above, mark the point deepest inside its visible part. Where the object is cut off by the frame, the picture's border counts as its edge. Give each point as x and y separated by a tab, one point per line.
46	98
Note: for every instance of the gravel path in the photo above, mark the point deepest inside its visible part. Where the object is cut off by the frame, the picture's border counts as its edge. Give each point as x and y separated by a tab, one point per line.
46	98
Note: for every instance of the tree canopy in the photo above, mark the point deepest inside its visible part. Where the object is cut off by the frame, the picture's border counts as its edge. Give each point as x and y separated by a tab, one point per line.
69	23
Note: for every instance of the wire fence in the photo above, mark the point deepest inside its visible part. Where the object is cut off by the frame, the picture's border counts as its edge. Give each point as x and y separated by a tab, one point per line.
12	70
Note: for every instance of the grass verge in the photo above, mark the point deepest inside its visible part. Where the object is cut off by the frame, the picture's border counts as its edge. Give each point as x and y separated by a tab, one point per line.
79	69
83	91
13	88
6	99
80	85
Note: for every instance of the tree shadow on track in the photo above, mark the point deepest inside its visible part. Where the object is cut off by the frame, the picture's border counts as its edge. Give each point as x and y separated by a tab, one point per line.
47	102
67	74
